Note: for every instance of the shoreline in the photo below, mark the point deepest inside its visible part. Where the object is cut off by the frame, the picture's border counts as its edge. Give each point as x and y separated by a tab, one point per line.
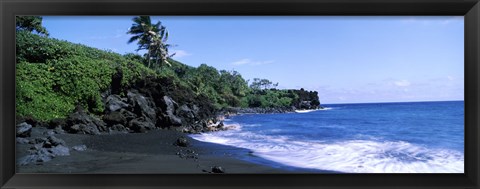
61	146
231	111
152	152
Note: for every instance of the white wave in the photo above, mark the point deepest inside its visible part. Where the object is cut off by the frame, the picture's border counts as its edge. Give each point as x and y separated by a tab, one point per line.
305	111
325	108
354	156
251	125
313	110
232	126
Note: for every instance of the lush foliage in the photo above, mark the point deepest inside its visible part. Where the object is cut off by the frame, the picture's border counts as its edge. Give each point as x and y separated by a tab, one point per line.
271	98
54	76
229	89
30	23
223	88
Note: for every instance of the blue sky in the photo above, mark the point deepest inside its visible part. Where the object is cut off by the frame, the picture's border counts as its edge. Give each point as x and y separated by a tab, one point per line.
345	59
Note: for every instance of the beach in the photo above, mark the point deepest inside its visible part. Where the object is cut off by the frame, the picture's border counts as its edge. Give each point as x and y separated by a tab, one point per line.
152	152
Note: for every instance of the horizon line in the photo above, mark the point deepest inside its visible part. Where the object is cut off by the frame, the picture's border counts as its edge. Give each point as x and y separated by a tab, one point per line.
389	102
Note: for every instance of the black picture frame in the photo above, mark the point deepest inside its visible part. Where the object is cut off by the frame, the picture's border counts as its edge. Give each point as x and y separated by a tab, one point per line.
470	9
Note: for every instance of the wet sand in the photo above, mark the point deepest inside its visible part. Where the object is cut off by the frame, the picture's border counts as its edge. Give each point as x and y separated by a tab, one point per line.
152	152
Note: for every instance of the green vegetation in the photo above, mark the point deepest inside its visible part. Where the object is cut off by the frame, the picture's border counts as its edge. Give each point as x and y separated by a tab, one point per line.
54	76
30	23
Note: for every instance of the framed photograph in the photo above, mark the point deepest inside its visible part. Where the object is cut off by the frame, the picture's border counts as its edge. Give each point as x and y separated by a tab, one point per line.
254	94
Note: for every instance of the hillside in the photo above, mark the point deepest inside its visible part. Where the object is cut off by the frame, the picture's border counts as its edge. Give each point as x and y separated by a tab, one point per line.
96	91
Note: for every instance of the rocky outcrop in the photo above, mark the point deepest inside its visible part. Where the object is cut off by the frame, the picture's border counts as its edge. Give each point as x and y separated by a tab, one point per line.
154	103
115	118
114	103
142	106
141	125
306	99
24	129
148	106
140	112
118	129
44	149
80	122
169	117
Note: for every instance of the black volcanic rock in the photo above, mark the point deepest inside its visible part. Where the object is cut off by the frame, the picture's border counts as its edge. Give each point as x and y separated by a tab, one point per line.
182	142
115	118
82	123
118	129
141	125
142	106
114	103
24	129
170	118
218	169
116	84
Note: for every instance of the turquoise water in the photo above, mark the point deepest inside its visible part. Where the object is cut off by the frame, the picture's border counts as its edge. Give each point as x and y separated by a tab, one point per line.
415	137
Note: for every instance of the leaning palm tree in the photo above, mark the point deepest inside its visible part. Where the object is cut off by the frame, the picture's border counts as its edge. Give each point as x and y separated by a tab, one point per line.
160	47
151	37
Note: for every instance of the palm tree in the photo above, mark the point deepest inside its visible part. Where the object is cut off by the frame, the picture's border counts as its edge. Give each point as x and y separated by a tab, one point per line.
160	47
151	37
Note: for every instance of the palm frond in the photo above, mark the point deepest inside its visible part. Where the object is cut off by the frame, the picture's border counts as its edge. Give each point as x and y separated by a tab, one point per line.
134	38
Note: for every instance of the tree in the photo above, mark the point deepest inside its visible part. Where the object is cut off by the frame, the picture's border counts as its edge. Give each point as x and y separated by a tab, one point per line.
150	37
266	83
31	23
232	81
258	84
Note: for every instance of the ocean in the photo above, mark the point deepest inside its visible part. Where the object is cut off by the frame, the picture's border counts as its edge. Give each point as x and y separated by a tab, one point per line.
408	137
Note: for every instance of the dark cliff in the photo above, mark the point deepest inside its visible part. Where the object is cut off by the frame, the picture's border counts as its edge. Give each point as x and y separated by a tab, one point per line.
306	99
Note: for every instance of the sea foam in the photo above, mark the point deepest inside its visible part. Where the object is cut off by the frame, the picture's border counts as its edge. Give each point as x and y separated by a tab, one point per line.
351	156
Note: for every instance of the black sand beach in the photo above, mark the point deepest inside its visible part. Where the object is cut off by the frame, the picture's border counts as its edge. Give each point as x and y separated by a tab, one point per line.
152	152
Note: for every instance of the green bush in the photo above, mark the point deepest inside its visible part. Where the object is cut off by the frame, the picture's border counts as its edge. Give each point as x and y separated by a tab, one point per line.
54	76
35	94
269	98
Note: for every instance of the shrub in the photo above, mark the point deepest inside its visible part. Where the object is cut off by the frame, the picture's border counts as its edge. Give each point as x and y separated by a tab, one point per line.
35	94
54	76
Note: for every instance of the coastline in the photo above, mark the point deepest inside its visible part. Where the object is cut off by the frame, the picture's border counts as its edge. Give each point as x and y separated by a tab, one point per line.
109	147
152	152
138	134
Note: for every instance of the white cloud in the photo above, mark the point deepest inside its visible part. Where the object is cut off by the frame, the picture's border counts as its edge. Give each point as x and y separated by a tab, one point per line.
402	83
241	62
118	34
180	53
247	61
